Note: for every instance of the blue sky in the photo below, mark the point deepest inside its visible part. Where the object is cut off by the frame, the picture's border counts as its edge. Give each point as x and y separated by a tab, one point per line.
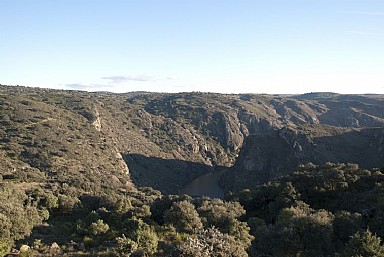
237	46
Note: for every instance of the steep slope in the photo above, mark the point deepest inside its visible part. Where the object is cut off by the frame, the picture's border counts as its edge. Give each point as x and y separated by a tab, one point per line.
348	110
277	153
165	139
48	144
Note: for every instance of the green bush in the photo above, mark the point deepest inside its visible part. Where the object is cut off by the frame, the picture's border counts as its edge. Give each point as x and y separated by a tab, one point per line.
125	246
98	227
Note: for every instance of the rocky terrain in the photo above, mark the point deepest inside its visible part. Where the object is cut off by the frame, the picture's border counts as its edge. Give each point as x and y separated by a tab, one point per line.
163	140
266	156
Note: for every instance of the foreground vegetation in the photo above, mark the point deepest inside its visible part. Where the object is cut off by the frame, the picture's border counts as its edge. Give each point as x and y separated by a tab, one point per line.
328	210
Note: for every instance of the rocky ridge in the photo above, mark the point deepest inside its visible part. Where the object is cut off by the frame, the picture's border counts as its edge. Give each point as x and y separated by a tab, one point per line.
165	140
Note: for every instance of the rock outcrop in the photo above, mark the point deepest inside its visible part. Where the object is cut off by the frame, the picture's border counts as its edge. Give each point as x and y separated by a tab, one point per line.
266	156
73	136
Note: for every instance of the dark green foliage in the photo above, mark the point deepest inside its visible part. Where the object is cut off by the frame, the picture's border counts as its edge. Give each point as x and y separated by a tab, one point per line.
161	205
184	217
277	219
346	224
125	246
363	244
299	231
143	234
5	247
314	211
224	216
64	176
18	215
219	213
267	200
211	243
68	204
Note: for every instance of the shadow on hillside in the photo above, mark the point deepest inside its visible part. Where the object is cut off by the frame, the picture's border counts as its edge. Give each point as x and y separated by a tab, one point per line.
165	175
266	157
364	147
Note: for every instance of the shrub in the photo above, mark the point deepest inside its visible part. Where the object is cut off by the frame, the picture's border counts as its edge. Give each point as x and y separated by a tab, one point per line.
98	227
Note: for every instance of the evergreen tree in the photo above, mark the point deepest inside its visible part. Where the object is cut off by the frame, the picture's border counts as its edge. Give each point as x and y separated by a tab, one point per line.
363	244
184	217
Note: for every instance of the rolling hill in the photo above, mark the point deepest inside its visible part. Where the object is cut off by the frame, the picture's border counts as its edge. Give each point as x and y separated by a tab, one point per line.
164	140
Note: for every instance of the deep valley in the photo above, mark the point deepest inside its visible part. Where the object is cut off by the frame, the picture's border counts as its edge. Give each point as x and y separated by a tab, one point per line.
126	158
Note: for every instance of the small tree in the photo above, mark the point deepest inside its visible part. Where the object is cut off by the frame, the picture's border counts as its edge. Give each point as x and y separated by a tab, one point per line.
67	204
184	217
146	238
211	243
4	247
220	214
125	246
142	234
98	227
363	244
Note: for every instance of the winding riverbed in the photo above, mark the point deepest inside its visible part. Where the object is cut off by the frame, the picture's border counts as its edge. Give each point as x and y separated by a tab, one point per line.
205	185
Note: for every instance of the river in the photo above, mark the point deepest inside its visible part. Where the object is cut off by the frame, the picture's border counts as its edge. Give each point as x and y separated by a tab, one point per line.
207	184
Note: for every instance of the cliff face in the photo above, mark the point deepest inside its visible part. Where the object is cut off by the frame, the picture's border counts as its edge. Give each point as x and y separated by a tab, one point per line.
78	137
270	155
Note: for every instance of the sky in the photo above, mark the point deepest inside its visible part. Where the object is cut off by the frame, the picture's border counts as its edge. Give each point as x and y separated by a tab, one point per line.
225	46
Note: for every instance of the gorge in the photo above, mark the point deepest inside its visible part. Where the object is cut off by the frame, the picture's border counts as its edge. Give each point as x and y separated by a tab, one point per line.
165	141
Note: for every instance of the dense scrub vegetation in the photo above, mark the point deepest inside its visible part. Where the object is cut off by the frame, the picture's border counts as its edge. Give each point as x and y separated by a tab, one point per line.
140	222
317	211
61	136
328	210
96	174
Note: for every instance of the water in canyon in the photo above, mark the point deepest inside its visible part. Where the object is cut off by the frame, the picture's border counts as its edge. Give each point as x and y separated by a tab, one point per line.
205	185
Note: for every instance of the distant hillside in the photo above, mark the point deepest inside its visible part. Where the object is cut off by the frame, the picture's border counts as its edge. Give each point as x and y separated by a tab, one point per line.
266	156
166	140
50	138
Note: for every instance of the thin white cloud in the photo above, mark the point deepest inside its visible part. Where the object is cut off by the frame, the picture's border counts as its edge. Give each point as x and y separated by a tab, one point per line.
142	78
81	86
367	13
121	79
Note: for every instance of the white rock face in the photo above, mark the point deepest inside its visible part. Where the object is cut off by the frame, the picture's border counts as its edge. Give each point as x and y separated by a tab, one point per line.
97	122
